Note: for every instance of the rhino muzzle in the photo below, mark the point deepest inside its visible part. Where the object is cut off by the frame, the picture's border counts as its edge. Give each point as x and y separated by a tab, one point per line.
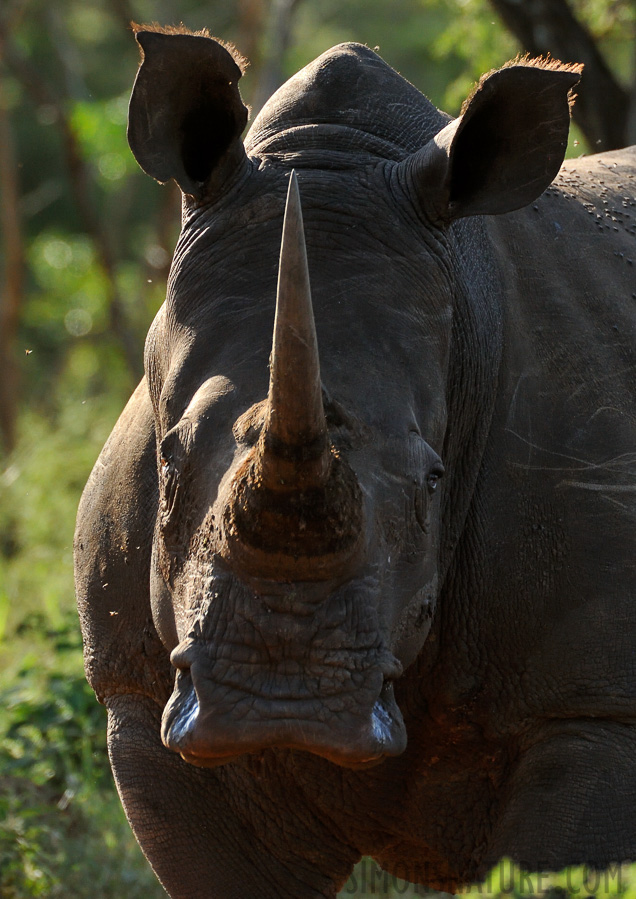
294	509
288	671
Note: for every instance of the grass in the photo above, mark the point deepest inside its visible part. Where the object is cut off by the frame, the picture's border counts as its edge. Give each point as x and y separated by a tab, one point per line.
62	829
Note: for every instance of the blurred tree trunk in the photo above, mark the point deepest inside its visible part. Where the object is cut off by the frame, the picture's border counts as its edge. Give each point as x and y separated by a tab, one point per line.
631	125
277	38
602	109
123	12
12	288
251	18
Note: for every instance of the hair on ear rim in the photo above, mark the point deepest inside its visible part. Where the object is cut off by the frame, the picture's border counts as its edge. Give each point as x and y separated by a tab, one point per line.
535	62
154	28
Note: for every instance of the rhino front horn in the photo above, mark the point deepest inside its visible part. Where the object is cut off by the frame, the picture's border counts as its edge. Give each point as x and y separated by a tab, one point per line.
294	447
295	507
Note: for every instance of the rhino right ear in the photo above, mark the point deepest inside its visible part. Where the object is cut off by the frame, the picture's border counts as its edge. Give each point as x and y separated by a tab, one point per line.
505	148
186	115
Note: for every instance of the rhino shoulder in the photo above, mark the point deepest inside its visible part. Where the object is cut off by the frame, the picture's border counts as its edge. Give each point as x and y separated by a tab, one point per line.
113	545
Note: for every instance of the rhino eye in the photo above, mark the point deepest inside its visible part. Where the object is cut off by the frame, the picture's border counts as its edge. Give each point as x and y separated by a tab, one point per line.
434	478
170	480
168	469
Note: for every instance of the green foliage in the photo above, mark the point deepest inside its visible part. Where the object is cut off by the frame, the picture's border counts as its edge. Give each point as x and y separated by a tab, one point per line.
475	39
614	26
58	811
55	732
101	128
39	491
80	847
505	880
62	829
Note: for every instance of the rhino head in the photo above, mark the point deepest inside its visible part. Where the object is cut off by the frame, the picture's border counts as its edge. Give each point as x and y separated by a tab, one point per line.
303	390
274	598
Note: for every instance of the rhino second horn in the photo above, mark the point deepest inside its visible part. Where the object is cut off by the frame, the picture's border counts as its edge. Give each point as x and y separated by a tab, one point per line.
294	446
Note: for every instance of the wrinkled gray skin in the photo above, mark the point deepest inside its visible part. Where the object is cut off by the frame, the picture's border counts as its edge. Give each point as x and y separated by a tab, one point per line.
498	604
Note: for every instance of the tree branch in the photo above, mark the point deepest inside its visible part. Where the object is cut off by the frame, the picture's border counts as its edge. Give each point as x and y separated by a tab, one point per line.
277	39
11	231
12	290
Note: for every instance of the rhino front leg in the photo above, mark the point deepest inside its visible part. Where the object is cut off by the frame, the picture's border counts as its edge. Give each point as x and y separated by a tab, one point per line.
216	834
571	799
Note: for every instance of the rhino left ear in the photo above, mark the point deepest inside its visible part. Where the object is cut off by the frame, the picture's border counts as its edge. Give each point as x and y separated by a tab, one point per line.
186	115
505	148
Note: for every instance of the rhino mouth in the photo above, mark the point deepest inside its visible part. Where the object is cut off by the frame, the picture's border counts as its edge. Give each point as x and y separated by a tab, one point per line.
208	726
303	671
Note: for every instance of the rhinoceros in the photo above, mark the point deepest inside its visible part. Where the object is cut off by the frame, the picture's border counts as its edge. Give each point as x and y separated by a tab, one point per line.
356	568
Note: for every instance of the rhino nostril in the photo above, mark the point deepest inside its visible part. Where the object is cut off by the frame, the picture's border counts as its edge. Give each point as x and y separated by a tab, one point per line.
181	657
